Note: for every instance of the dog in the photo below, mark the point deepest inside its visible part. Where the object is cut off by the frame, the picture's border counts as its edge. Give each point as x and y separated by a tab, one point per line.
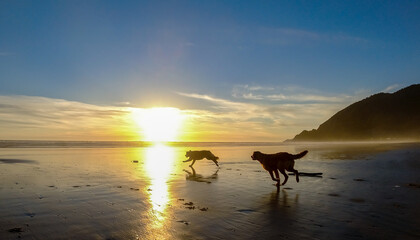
279	161
198	155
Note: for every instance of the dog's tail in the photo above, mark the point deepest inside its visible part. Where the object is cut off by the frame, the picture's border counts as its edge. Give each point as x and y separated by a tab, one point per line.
300	155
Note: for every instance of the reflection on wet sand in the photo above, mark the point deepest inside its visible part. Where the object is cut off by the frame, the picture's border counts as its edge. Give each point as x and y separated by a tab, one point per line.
159	163
193	176
286	201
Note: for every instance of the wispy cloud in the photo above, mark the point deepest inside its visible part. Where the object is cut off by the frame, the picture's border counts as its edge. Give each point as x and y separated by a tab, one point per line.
262	120
218	103
391	88
27	117
289	94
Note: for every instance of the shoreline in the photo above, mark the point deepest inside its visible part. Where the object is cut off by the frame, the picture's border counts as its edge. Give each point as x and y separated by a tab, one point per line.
129	144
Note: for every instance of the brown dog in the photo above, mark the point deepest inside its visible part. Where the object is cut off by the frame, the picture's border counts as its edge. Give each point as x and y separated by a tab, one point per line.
279	161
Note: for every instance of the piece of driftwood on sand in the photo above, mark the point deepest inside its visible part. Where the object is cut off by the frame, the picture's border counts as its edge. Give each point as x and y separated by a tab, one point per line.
319	174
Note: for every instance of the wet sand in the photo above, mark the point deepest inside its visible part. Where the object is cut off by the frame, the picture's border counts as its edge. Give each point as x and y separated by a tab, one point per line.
367	191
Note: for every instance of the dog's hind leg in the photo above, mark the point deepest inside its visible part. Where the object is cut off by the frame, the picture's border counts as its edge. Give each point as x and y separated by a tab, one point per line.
295	172
285	176
214	160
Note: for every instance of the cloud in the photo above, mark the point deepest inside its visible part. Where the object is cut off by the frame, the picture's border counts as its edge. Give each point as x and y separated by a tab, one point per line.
258	88
216	119
28	117
289	94
391	88
263	121
217	103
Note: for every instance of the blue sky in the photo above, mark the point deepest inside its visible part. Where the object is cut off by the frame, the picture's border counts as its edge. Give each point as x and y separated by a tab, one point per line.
195	55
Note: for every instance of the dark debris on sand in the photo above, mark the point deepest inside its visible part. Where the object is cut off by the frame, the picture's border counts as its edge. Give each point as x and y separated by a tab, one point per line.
334	194
413	185
15	230
359	180
190	205
30	215
184	222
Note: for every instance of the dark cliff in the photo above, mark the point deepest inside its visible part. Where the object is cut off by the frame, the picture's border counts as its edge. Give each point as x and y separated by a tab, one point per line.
383	116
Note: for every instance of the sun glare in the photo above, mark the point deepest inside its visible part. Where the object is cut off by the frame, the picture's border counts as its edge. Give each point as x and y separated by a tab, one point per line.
158	124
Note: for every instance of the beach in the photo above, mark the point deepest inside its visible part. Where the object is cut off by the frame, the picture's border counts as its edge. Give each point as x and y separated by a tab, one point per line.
366	191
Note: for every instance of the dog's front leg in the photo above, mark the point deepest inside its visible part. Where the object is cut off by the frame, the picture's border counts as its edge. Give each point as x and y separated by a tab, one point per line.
278	177
275	179
192	163
188	160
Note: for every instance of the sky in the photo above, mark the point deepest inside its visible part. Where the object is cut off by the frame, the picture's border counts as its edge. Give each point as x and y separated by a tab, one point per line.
237	70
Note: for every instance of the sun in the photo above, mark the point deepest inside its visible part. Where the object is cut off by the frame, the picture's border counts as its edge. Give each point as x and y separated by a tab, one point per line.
158	124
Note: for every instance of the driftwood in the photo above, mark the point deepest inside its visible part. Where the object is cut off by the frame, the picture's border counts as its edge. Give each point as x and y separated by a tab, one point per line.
319	174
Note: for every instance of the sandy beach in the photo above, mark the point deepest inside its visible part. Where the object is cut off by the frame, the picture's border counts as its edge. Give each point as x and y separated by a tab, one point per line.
367	191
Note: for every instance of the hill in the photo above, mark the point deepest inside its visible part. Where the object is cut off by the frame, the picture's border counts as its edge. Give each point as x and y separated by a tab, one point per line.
383	116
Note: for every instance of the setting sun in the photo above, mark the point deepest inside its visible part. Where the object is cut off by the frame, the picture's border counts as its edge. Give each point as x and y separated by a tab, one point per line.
158	124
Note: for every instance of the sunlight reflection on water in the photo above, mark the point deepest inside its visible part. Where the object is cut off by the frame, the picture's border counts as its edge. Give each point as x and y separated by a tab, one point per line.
158	165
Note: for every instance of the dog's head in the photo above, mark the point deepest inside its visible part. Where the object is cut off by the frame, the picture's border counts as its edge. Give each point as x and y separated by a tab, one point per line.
188	153
256	155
